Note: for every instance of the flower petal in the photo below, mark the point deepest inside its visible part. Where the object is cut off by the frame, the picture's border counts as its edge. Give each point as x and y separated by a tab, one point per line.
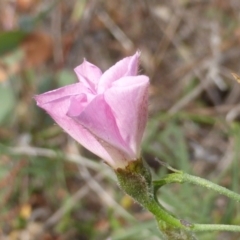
126	67
69	90
106	113
128	99
98	119
88	74
77	104
58	108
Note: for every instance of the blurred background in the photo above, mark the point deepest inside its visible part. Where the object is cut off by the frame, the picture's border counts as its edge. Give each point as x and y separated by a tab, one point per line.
53	189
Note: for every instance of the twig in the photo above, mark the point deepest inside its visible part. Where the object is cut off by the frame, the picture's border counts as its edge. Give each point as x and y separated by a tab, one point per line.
190	97
43	152
102	194
57	216
116	31
84	162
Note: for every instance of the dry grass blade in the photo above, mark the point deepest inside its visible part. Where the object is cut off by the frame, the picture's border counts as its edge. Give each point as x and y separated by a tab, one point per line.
120	36
236	77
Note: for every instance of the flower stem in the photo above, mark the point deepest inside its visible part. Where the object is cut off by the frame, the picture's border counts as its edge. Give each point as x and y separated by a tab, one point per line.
215	227
161	214
135	180
180	177
170	226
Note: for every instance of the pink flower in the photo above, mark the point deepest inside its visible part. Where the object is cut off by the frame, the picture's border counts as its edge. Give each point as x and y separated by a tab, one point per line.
104	112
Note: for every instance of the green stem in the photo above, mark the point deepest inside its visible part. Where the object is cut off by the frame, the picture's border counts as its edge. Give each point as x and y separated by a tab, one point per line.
210	185
169	225
135	180
215	227
161	214
180	177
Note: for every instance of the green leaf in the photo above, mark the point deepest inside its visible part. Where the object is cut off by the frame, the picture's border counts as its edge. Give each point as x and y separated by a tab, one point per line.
10	40
7	101
66	77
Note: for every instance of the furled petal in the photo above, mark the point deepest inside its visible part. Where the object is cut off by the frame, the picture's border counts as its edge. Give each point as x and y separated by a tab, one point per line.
69	90
126	67
88	74
128	99
106	113
58	108
98	119
77	105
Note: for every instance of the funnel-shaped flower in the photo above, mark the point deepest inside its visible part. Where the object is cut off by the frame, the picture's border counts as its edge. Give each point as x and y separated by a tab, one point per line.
104	112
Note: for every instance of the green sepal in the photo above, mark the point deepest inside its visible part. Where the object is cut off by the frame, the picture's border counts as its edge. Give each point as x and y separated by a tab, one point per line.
135	179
